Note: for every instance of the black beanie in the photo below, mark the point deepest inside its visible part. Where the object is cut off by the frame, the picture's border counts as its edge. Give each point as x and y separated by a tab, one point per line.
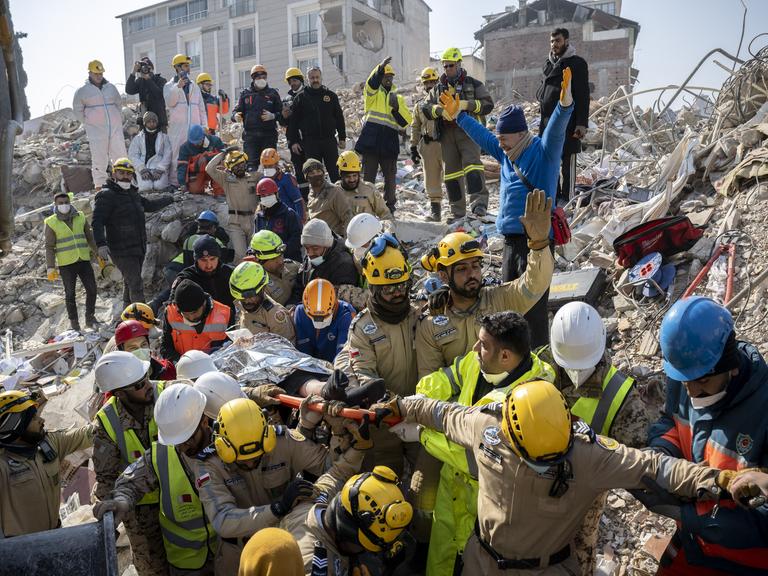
189	296
206	245
730	357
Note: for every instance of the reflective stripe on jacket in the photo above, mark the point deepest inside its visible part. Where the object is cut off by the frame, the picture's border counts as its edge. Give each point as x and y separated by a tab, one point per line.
600	412
186	338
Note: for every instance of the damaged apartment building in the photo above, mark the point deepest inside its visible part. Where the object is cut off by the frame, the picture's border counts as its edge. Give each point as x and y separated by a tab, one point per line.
225	38
516	44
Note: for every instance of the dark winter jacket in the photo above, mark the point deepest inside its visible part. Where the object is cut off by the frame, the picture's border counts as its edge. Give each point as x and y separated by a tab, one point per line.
338	268
217	286
150	91
548	96
251	104
284	222
316	115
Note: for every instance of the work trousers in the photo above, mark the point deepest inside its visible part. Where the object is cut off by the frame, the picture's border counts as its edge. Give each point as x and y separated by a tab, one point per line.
432	161
69	274
240	230
325	150
566	186
133	284
514	263
253	145
298	171
371	164
462	161
478	562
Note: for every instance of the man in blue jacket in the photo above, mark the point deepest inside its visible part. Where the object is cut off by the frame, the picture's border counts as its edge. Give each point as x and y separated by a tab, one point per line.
322	321
717	393
538	162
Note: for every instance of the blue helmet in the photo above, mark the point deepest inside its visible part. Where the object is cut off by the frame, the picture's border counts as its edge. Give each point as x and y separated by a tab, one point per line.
196	134
208	216
693	336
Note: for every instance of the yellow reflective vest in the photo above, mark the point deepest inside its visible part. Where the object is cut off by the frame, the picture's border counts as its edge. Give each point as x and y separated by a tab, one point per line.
378	110
456	502
187	535
600	412
189	244
71	245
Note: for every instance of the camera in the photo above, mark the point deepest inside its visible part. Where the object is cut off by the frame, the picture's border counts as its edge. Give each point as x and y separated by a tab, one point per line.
145	69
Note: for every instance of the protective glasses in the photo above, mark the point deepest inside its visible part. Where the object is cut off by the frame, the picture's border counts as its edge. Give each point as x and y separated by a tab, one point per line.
260	75
140	384
449	65
390	289
276	251
380	243
250	294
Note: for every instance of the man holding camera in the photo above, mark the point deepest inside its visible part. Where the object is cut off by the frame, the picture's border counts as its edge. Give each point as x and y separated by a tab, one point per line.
149	86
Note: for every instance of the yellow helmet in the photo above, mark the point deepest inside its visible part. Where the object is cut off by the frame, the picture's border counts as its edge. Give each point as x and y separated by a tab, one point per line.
349	161
266	245
180	59
203	77
13	417
241	432
386	267
453	248
537	422
293	73
451	55
389	70
248	279
96	67
123	164
371	510
234	158
429	74
141	312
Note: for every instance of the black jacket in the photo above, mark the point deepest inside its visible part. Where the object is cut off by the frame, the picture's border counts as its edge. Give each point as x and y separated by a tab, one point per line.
217	285
118	219
150	93
316	115
227	254
338	268
284	222
252	103
548	95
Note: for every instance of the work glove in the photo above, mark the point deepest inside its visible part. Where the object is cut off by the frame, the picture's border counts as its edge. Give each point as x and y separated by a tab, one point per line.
392	407
146	174
103	252
407	431
749	487
537	219
297	489
52	274
335	388
119	508
658	500
361	433
266	116
579	132
451	105
438	299
223	95
463	104
309	419
384	62
415	156
342	144
566	98
264	395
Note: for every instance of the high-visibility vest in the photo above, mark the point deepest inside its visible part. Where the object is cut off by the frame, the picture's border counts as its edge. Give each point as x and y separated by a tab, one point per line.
186	338
189	244
378	110
212	109
131	448
600	412
187	535
71	245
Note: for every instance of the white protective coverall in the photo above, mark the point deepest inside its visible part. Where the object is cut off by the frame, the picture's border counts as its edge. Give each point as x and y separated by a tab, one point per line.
100	111
183	111
137	152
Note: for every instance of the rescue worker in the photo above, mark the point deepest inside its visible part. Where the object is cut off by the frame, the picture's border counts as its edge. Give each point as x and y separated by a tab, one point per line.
141	312
714	415
290	194
125	428
267	249
258	312
326	201
448	327
316	127
527	163
193	159
386	115
70	247
537	477
274	215
240	190
295	80
30	464
271	551
193	364
460	154
257	109
150	152
322	321
119	226
425	146
361	231
193	321
500	360
362	196
98	107
132	336
186	108
214	105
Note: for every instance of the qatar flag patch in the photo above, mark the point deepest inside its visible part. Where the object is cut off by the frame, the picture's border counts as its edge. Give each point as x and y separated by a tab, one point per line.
203	480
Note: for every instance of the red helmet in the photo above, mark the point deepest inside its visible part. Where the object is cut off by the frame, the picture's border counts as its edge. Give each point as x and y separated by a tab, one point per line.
266	187
128	330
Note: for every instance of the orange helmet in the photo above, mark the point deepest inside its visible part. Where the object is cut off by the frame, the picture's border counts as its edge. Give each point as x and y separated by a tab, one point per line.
258	68
320	303
269	157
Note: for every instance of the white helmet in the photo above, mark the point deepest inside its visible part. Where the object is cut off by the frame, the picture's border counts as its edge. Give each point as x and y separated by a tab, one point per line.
362	229
119	369
218	389
577	336
178	410
194	364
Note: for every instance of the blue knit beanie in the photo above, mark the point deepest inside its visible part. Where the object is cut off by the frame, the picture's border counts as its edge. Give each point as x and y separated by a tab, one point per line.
511	120
196	134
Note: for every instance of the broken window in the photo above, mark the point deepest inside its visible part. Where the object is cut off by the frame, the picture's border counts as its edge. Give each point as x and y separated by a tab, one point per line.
338	61
332	22
367	31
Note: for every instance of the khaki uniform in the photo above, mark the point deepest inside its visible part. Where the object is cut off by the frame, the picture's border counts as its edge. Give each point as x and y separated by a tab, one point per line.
281	288
425	137
242	202
516	515
270	317
30	487
237	500
365	198
142	524
331	205
442	337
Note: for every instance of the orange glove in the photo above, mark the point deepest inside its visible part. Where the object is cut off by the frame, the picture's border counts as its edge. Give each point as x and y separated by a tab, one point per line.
566	98
451	106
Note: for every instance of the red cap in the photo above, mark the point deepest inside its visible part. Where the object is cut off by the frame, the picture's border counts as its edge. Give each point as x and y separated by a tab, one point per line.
128	330
266	187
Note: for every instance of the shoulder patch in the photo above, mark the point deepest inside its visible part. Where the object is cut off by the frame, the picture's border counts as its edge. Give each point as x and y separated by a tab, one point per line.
296	435
369	329
267	304
281	316
607	443
440	320
202	480
326	98
491	435
445	333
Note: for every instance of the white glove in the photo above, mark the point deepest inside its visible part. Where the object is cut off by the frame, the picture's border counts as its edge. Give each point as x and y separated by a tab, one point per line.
407	431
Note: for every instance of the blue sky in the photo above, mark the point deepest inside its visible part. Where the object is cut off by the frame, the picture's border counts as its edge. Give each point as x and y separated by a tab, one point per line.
674	35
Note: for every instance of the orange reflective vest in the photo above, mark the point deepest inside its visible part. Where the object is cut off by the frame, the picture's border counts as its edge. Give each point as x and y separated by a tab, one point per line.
186	338
213	112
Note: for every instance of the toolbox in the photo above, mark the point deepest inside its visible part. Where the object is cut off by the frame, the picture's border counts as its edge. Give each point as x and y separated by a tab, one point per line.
585	285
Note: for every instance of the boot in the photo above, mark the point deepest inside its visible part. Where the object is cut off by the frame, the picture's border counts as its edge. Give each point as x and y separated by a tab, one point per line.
436	215
91	322
75	325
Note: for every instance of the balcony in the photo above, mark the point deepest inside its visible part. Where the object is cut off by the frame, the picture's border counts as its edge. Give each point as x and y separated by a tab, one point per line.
241	8
306	38
188	18
245	50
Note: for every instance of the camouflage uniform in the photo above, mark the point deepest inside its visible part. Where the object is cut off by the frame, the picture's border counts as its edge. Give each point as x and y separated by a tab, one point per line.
280	288
270	317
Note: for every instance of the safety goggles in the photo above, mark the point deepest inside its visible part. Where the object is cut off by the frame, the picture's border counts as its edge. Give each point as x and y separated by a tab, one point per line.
390	289
250	448
380	243
139	385
259	75
449	65
466	247
274	252
250	293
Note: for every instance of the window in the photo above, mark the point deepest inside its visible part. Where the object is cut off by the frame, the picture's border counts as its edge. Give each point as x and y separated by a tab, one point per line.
241	7
306	64
306	29
192	49
245	42
338	61
187	12
139	23
243	81
607	7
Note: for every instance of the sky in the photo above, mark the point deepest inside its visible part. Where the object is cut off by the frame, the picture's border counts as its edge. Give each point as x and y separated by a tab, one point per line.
64	36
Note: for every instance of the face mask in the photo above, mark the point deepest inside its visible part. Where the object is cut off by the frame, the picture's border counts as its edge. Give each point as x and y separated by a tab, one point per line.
578	377
150	131
323	324
124	185
358	253
269	172
260	83
495	379
707	401
63	208
268	201
142	354
317	261
190	322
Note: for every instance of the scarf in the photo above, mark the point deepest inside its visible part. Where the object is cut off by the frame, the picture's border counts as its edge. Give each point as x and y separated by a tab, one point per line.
390	313
518	149
569	51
